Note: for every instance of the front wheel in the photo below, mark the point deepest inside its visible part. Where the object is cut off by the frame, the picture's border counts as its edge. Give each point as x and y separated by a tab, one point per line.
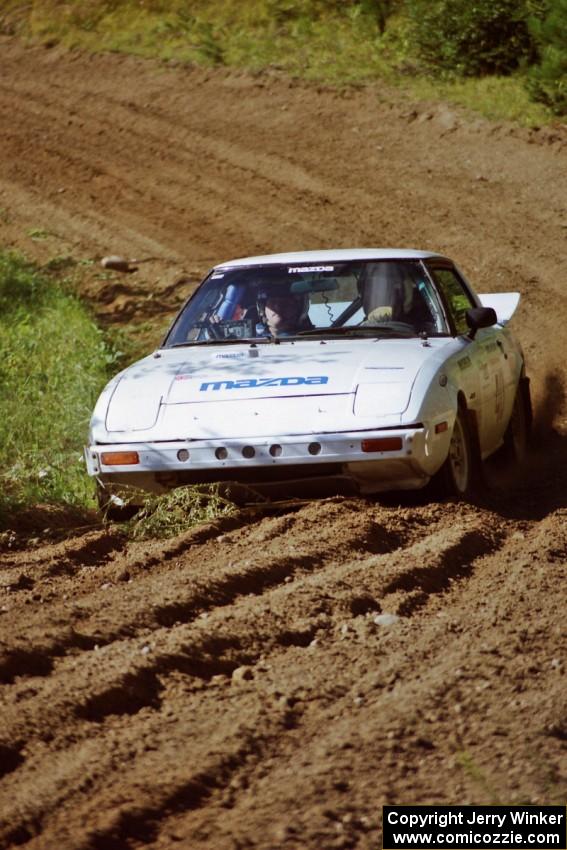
461	470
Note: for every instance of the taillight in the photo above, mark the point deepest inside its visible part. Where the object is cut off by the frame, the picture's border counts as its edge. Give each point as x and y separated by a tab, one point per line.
382	444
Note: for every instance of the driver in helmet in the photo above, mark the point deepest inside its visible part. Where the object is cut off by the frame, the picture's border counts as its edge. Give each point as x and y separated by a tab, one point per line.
282	312
391	296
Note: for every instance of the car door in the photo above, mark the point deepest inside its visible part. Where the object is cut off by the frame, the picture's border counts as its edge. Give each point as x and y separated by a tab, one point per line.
480	361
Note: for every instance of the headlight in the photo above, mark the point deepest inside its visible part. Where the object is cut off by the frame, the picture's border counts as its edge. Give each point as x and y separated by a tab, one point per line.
381	399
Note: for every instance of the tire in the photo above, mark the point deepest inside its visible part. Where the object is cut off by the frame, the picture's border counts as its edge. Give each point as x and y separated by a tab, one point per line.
460	474
518	432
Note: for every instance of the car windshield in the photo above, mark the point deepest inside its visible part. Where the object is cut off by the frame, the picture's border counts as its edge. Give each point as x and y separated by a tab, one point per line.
264	302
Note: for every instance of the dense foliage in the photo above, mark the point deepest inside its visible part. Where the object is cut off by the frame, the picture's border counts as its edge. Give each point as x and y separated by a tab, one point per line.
548	79
472	39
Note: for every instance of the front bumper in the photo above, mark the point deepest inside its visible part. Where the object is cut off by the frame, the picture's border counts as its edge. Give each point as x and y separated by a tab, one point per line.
409	464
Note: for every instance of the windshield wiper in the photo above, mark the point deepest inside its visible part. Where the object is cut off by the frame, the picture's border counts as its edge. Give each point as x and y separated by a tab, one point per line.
225	341
365	330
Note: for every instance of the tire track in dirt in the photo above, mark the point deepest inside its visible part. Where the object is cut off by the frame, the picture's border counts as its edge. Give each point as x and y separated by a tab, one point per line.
124	827
129	696
419	714
227	167
177	600
180	604
242	635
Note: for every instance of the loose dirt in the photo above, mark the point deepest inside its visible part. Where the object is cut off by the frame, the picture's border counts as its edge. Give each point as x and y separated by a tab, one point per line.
238	686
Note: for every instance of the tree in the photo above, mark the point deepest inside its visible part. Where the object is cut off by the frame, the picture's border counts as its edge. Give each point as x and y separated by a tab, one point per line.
548	79
472	38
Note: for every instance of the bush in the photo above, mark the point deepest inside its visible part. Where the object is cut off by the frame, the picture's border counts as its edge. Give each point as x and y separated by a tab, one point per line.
548	79
472	39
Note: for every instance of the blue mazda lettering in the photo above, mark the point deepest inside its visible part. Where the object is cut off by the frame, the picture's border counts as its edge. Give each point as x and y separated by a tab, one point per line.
256	383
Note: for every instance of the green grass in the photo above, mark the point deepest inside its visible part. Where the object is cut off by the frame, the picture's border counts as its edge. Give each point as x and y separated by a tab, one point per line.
53	363
466	762
38	234
253	35
335	43
495	98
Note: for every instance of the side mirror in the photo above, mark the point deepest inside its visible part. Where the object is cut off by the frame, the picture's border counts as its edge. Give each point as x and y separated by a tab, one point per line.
480	317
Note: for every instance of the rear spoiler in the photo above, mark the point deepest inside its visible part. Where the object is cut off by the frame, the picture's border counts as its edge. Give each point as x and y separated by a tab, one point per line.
504	303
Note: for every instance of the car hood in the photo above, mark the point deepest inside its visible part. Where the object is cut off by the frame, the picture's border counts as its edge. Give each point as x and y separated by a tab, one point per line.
235	390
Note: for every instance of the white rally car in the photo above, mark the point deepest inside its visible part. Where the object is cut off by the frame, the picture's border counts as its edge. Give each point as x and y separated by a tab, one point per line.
386	372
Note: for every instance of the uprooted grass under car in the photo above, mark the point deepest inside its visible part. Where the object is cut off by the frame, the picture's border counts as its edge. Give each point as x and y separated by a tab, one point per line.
165	516
53	362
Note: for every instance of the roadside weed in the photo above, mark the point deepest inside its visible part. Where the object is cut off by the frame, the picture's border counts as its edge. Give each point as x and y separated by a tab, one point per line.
53	362
475	773
38	234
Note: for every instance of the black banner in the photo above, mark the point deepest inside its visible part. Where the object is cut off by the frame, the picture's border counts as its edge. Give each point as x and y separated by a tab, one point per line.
474	827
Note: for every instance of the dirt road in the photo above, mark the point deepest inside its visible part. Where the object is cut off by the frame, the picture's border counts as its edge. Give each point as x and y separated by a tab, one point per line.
240	686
